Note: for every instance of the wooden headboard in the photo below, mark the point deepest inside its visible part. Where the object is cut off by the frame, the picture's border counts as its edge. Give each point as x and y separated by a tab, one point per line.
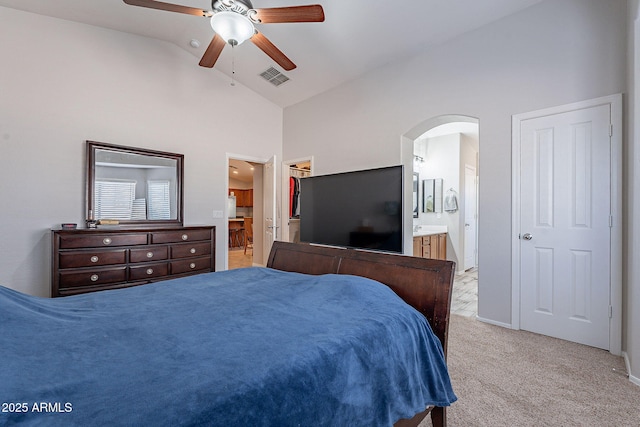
425	284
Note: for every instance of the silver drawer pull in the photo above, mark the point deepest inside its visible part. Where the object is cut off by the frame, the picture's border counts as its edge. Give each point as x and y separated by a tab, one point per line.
192	250
149	254
149	270
185	237
192	265
94	277
106	240
94	259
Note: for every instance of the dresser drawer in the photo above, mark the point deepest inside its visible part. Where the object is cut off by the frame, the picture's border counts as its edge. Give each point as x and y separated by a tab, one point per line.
151	253
91	240
88	259
91	277
181	235
190	265
190	250
148	271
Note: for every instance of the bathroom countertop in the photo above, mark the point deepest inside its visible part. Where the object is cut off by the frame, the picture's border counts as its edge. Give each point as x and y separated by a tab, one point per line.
428	230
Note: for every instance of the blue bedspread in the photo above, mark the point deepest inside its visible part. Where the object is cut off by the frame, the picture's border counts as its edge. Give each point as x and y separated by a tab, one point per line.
248	347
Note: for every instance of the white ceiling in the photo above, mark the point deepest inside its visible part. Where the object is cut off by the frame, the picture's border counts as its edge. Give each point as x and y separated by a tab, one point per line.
468	129
241	170
357	35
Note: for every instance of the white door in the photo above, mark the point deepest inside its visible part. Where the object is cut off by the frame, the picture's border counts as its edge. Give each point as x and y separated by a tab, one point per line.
470	219
270	206
565	234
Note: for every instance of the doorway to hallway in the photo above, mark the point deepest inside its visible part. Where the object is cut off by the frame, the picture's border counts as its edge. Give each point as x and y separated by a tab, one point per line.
240	212
262	212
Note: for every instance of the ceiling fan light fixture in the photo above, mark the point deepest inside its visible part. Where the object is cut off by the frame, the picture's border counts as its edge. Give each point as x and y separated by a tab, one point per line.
233	27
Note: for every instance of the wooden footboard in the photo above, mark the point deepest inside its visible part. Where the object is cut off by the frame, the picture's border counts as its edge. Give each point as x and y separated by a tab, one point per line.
425	284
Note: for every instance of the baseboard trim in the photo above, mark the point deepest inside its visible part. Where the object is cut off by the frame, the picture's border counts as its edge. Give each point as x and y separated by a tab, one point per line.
627	365
494	322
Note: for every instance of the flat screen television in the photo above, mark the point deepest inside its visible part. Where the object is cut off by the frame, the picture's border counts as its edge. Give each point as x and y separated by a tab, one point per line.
360	209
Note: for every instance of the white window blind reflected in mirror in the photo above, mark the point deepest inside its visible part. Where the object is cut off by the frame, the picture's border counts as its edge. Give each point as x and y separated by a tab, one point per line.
114	199
159	200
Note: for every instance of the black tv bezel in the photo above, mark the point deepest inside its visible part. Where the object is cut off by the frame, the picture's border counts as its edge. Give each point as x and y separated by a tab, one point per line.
402	209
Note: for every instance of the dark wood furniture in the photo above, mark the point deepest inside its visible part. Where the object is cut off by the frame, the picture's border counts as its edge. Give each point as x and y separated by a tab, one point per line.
140	165
236	232
89	260
248	234
425	284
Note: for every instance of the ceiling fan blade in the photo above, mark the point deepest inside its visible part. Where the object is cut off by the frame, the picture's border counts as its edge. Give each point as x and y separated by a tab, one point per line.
311	13
170	7
213	52
270	49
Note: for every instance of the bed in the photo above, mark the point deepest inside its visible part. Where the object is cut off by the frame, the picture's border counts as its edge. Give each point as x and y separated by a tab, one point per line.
313	339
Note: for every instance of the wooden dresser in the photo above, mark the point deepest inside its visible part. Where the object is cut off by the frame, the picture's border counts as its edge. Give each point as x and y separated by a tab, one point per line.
89	260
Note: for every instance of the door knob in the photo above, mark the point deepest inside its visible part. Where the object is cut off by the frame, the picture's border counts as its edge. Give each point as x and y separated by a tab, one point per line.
527	236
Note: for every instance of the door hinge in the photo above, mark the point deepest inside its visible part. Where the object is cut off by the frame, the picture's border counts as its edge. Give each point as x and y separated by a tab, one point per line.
610	312
610	221
611	130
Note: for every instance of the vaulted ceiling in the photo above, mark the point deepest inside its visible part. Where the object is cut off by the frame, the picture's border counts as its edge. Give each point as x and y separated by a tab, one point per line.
357	35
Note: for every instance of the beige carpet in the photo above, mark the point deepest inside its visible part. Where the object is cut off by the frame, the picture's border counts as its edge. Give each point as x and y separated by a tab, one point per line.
504	377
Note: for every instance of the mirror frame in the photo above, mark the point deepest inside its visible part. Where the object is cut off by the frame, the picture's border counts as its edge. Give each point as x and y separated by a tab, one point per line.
92	146
416	194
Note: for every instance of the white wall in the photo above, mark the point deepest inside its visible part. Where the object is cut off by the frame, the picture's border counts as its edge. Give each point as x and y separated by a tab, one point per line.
554	53
62	83
442	161
631	155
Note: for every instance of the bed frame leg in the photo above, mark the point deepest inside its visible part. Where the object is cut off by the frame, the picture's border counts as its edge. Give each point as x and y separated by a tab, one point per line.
439	416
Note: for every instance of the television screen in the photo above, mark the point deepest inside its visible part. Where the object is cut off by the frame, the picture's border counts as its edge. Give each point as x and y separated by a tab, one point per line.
361	209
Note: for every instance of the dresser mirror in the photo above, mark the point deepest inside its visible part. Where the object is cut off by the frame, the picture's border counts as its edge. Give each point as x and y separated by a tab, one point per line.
133	185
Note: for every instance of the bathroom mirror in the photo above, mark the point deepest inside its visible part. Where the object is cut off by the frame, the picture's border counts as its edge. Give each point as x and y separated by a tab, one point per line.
416	194
432	195
133	185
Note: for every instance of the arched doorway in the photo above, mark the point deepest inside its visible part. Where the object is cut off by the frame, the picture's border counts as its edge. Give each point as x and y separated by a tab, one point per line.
442	153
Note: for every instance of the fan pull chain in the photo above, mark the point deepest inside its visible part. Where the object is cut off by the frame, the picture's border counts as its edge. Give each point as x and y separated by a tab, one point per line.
233	64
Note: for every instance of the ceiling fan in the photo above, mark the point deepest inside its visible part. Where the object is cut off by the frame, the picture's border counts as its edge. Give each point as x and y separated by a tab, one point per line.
233	22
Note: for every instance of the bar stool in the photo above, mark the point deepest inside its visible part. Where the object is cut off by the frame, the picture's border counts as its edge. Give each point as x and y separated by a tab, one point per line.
239	236
236	237
236	234
248	234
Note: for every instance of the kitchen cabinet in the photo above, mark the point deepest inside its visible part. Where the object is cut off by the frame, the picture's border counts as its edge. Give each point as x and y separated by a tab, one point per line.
244	198
430	246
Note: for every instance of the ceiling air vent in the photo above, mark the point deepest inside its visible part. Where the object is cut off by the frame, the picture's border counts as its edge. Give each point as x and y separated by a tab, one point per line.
274	76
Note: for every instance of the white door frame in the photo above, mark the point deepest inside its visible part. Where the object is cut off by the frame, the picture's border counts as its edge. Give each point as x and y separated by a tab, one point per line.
615	103
270	207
